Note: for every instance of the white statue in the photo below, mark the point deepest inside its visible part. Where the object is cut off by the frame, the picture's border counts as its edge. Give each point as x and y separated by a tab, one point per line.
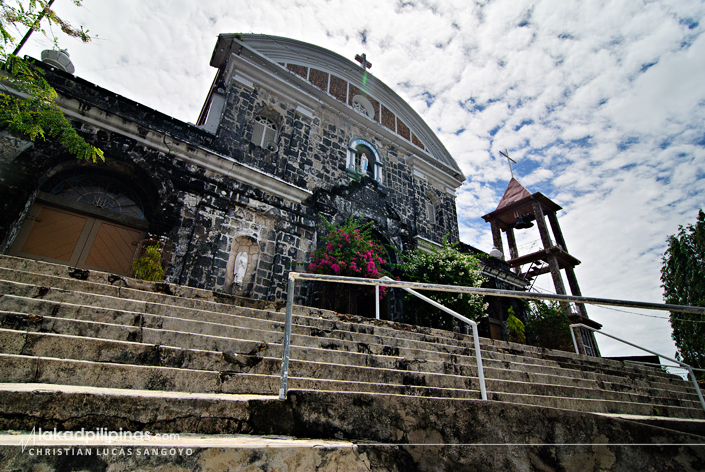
363	164
240	267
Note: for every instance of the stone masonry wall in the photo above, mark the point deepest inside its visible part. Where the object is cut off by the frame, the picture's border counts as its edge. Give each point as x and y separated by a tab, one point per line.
204	215
312	154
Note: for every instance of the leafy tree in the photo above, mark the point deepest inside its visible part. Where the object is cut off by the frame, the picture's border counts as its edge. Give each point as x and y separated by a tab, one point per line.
683	282
446	266
35	113
547	326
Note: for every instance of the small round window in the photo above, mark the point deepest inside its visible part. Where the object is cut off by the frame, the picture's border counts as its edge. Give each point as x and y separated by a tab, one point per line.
363	105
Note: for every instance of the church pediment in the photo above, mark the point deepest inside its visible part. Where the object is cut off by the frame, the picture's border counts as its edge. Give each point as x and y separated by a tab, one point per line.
284	63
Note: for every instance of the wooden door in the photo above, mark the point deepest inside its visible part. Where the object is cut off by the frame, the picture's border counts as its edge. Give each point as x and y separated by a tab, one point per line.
62	236
110	247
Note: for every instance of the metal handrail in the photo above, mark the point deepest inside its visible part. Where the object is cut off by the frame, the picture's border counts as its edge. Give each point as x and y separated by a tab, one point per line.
475	335
472	290
386	281
682	364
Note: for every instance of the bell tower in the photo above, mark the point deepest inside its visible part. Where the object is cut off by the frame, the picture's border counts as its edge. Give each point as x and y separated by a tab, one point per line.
518	209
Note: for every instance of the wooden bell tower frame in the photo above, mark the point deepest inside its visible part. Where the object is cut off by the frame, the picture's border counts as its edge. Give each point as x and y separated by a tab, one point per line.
518	203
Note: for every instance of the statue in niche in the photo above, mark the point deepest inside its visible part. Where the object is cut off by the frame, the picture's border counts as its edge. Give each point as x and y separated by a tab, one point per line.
240	267
363	164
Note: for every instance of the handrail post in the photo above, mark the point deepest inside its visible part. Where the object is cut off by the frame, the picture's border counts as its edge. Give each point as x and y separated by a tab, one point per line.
575	343
287	338
697	387
478	357
377	302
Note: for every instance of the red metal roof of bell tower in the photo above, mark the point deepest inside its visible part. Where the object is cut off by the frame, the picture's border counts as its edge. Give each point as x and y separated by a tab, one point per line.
515	192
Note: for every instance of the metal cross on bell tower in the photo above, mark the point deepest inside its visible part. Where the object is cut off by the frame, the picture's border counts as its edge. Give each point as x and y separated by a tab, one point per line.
505	153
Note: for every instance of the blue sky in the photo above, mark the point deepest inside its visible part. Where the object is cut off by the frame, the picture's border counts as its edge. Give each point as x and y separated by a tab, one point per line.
601	103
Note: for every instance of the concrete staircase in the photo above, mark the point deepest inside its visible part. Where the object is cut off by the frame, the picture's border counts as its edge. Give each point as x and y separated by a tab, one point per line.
190	360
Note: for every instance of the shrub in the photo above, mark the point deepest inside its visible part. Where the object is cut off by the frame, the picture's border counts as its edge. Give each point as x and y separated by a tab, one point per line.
149	265
548	327
515	327
348	250
446	266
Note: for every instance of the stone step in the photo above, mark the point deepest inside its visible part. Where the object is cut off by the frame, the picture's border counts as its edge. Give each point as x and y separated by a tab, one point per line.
75	320
440	423
322	319
155	330
73	407
23	369
345	335
601	406
27	369
182	340
214	323
499	346
106	279
243	356
262	374
253	360
204	300
86	293
362	343
683	425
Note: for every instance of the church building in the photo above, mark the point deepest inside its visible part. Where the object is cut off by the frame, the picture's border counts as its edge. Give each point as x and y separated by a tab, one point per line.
290	133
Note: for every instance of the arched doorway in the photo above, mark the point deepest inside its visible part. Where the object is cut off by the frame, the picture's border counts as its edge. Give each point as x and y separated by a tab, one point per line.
84	218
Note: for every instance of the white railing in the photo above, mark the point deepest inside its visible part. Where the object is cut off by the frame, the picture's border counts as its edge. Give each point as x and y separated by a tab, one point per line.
387	282
682	364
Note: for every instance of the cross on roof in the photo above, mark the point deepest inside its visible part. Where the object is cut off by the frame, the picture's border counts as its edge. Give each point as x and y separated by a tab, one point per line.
363	60
505	153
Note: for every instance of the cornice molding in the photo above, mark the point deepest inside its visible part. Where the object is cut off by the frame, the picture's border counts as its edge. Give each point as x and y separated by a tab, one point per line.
188	152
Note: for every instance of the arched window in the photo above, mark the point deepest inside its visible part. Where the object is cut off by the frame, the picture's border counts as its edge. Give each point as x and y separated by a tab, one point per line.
99	191
432	207
266	128
264	131
362	105
364	160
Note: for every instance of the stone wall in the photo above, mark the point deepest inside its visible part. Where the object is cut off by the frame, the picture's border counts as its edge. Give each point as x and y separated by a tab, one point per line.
312	154
205	215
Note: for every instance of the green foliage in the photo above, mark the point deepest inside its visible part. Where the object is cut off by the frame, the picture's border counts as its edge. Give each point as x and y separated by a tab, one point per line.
548	327
446	266
515	327
683	282
149	265
35	113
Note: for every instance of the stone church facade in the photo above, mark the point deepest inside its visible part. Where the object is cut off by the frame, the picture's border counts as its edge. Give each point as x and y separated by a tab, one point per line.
290	134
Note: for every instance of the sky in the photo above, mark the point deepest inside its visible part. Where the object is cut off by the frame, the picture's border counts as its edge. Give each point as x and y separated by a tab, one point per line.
601	104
